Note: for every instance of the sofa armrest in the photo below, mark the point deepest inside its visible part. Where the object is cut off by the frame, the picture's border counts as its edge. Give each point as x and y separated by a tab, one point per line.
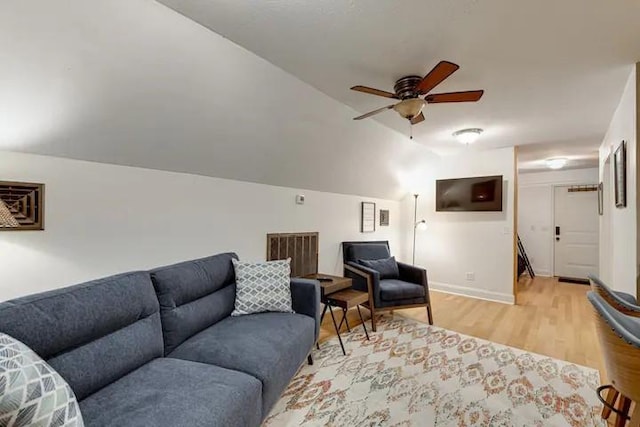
364	279
305	299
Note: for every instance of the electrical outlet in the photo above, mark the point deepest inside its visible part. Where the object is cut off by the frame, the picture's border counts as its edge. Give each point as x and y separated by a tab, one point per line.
471	276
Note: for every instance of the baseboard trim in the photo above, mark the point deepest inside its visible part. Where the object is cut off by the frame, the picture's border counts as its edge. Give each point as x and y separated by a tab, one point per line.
472	292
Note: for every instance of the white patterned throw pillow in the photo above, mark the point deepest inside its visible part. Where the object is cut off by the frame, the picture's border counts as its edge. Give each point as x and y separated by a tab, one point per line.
262	286
32	393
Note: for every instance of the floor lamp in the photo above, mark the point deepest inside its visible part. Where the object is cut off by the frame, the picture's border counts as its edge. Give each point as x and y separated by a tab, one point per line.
422	224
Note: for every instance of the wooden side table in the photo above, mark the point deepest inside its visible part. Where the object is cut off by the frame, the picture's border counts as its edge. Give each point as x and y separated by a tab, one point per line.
346	299
336	291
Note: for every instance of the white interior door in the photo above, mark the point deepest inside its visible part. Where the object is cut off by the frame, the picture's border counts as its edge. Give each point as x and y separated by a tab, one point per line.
576	233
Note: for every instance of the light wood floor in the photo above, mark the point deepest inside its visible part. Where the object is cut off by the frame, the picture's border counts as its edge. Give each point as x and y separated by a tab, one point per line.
551	318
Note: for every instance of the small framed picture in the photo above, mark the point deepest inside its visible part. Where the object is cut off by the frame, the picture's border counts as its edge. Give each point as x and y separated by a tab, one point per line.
620	175
368	217
600	199
384	217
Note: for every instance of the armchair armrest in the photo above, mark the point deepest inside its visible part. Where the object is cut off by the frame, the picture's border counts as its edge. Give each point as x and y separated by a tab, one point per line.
413	274
364	279
305	299
623	302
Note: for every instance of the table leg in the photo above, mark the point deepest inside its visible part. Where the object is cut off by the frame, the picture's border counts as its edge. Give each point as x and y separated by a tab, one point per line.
335	324
344	320
324	311
363	325
344	313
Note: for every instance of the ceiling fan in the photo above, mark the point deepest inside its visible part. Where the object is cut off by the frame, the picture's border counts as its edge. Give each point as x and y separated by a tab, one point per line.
409	89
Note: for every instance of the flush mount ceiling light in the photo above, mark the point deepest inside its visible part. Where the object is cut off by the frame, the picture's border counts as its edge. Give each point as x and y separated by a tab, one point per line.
467	136
556	163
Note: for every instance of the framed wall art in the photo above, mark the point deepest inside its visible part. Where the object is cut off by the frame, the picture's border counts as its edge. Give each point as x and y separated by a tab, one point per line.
368	217
384	217
21	206
620	175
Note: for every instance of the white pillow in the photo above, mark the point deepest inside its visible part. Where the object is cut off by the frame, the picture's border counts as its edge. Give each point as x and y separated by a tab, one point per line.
31	391
262	286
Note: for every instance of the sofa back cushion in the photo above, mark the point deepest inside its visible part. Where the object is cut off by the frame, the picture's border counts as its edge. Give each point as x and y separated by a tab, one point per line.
92	334
194	295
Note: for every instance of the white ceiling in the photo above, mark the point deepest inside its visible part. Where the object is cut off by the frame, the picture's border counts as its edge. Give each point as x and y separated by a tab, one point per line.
553	71
579	155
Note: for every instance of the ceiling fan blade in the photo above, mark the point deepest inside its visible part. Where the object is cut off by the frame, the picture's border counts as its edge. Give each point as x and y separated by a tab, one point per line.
374	112
440	72
417	119
373	91
468	96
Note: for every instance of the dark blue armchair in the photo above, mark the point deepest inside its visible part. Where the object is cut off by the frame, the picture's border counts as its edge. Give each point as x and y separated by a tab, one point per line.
410	289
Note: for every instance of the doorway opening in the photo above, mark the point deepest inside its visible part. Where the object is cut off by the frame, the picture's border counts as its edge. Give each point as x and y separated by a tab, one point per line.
558	222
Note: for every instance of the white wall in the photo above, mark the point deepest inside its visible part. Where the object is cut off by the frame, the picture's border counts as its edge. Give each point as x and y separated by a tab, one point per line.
535	212
619	228
456	243
103	219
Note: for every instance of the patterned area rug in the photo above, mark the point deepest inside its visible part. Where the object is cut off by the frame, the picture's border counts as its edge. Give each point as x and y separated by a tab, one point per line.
413	374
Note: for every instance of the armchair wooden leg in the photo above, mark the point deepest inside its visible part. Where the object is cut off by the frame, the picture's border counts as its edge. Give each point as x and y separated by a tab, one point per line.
611	397
623	406
635	416
429	315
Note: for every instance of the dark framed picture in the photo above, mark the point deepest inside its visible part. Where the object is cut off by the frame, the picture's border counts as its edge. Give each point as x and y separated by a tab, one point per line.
21	206
600	199
620	175
384	217
368	217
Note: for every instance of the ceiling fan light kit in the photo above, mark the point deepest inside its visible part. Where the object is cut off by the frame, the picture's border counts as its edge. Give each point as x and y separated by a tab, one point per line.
409	89
410	108
556	163
467	136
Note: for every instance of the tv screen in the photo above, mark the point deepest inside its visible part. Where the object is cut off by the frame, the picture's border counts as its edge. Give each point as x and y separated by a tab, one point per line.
480	194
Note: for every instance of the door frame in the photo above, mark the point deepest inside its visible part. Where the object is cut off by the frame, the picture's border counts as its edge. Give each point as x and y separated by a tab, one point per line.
515	225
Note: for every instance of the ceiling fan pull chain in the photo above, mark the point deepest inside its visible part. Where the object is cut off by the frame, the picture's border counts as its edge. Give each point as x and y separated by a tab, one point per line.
410	130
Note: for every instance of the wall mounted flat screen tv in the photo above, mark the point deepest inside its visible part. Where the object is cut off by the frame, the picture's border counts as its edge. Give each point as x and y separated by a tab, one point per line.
479	194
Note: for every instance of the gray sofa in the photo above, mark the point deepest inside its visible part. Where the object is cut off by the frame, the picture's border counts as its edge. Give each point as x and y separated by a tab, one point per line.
159	348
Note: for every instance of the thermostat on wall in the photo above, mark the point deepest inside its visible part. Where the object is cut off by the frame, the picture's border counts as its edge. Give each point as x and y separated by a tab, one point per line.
300	199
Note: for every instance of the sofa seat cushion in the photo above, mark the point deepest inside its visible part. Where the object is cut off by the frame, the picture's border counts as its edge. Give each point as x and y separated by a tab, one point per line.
171	392
394	290
268	346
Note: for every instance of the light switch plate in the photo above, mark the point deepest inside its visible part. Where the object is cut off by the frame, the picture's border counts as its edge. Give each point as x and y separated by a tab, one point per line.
300	199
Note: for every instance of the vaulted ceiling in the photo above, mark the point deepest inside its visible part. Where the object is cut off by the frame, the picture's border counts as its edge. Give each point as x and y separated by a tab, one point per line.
132	82
553	71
